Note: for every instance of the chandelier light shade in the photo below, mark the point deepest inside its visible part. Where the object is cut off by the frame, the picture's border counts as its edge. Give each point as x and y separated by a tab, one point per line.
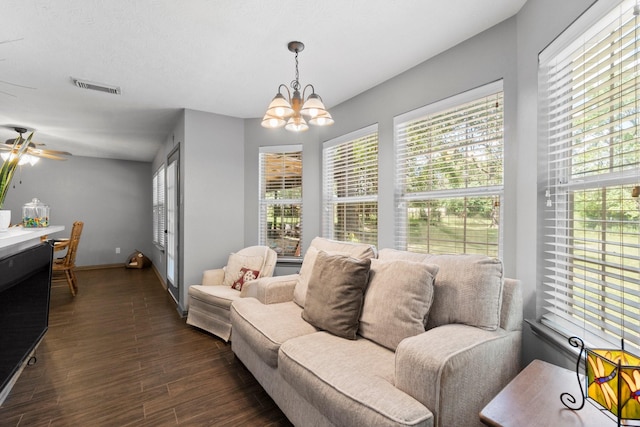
291	110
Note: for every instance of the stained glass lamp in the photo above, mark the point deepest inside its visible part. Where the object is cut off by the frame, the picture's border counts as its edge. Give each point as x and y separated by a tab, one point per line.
612	382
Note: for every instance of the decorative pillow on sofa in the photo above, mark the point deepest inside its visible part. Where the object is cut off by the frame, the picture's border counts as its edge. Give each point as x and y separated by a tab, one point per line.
397	301
335	294
236	262
332	247
468	290
246	275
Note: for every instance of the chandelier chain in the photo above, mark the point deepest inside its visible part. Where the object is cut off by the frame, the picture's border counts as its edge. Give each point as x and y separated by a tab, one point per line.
295	84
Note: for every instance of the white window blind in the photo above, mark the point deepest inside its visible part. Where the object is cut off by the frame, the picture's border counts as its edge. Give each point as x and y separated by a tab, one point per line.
588	96
449	174
350	187
158	207
280	201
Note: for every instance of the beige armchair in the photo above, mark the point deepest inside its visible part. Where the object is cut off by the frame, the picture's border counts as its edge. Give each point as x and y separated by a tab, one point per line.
209	302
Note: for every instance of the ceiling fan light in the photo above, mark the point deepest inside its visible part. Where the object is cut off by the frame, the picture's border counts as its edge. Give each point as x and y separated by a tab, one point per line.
323	119
313	106
273	122
297	124
279	107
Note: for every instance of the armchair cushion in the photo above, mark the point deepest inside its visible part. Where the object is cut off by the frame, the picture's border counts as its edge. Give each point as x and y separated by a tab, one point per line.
397	301
236	262
335	294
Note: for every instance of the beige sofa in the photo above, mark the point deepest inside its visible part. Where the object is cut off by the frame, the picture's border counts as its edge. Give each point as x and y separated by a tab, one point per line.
394	372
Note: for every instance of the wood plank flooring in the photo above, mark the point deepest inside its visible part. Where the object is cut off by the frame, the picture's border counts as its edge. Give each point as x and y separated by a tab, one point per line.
118	354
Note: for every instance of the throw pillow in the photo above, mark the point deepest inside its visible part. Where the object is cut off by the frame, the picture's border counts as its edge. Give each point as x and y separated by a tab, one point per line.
397	301
246	275
467	290
332	247
237	262
335	293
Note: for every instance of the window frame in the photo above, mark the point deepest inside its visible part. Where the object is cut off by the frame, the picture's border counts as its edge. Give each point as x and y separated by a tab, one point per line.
158	207
585	282
403	197
330	200
264	203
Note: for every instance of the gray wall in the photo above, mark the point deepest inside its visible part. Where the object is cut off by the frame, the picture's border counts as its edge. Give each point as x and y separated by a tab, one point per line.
507	51
491	56
212	193
112	197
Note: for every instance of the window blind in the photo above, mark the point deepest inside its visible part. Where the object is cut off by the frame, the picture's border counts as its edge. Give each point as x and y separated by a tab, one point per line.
350	187
280	199
589	115
449	174
158	207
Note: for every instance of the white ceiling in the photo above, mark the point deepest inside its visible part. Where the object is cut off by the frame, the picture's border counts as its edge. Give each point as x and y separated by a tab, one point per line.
222	56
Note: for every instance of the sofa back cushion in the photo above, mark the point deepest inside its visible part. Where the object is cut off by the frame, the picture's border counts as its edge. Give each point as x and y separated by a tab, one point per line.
331	247
467	289
335	294
397	301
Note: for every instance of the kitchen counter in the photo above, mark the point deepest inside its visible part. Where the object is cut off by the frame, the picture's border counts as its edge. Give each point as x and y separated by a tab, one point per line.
18	238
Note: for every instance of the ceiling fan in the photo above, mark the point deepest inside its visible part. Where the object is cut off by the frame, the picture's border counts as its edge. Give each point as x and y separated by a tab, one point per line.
33	149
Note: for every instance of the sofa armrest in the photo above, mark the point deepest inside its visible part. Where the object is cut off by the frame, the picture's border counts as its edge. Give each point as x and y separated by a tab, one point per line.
271	290
455	370
213	277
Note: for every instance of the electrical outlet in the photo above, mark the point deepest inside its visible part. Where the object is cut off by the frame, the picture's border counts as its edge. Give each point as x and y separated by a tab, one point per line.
117	250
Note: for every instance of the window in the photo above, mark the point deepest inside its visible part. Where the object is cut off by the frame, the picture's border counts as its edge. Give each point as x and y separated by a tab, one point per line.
589	114
280	201
158	207
449	174
350	187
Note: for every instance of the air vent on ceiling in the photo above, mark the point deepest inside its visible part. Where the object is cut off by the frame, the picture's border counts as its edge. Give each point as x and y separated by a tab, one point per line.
101	87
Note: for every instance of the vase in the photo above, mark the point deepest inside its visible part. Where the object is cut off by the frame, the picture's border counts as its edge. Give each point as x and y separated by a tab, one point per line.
5	220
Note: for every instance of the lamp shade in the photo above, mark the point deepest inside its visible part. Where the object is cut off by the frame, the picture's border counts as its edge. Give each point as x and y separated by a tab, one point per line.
279	107
273	122
313	106
614	382
323	119
296	124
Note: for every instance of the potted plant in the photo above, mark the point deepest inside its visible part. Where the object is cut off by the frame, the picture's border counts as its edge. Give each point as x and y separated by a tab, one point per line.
20	146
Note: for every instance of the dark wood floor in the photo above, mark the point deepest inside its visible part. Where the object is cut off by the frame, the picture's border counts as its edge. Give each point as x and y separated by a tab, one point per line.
118	354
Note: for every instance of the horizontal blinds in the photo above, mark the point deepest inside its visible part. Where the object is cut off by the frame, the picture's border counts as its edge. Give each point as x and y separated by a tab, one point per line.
158	207
280	199
461	147
350	188
589	99
449	174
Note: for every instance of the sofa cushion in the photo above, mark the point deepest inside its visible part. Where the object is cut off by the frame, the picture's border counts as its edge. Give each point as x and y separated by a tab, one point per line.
335	293
467	290
266	326
236	262
388	254
333	247
349	381
397	301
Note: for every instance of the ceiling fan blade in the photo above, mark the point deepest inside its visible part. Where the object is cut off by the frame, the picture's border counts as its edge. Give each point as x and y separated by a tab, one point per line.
48	156
37	151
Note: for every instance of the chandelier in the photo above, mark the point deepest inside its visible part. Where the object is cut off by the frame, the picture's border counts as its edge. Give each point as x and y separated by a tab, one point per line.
290	111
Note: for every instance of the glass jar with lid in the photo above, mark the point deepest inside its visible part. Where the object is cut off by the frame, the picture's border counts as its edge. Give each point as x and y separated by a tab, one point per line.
35	214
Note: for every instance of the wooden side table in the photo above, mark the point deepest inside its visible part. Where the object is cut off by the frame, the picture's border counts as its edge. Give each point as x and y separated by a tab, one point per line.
533	399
